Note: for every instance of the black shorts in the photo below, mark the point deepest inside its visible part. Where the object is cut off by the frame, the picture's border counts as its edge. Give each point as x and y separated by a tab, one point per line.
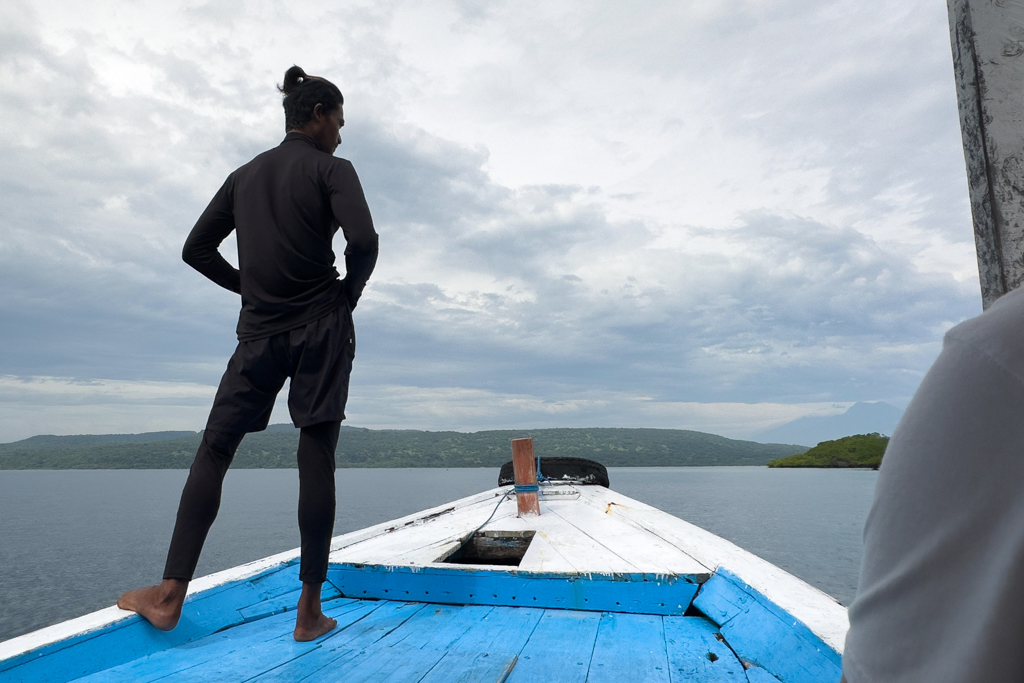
317	356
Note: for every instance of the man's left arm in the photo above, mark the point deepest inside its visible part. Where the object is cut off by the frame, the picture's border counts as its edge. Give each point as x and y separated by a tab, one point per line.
348	203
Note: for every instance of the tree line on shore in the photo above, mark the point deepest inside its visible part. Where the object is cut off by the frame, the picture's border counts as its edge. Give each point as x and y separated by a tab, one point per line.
859	450
275	448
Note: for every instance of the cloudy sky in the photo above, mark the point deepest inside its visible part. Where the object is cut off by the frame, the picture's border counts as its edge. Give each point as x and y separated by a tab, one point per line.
705	214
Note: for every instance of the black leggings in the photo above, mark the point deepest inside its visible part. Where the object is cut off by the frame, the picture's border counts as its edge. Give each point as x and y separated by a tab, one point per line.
200	500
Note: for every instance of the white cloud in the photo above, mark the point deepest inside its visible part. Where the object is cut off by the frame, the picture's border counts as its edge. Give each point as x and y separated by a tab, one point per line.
61	405
743	203
457	408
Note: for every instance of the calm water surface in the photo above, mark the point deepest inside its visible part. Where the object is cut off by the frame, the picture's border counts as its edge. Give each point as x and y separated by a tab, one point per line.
72	541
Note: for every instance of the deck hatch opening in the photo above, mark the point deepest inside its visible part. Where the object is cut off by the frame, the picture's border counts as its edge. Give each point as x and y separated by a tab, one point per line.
505	548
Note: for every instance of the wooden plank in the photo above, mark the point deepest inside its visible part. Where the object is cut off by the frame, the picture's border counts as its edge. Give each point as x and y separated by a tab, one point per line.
343	645
203	613
559	649
51	639
762	633
410	652
557	547
629	647
416	519
218	645
488	650
756	674
285	603
168	662
815	609
576	547
637	593
420	556
613	505
695	652
427	538
245	662
457	524
541	556
647	553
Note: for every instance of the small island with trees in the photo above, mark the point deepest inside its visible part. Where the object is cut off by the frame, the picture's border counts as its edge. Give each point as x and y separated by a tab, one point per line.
860	450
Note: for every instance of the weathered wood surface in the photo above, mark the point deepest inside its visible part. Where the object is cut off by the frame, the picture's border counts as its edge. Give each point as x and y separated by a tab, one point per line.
630	648
559	649
570	537
387	641
592	531
817	610
696	654
646	552
760	632
988	63
123	640
576	548
224	646
635	593
424	543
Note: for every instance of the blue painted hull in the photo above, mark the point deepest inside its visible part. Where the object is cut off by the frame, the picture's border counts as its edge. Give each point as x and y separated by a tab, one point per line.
454	625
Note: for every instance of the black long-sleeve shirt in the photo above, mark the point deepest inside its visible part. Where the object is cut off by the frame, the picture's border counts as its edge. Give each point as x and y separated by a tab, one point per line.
286	206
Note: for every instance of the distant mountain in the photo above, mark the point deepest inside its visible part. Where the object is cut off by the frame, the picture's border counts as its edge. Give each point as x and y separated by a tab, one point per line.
860	418
275	448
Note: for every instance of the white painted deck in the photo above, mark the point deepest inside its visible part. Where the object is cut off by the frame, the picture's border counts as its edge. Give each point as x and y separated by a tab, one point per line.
591	529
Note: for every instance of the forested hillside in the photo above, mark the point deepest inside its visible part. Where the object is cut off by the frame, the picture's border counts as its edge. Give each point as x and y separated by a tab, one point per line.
275	448
860	450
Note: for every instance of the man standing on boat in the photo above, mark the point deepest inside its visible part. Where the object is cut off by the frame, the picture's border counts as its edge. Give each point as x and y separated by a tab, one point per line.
285	207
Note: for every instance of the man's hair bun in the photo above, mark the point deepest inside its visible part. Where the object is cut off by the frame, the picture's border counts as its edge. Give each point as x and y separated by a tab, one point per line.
293	78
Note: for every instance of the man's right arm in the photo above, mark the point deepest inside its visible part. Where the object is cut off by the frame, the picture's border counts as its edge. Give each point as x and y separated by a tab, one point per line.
213	226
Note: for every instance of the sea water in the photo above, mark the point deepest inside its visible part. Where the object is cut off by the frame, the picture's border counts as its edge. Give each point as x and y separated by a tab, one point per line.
71	541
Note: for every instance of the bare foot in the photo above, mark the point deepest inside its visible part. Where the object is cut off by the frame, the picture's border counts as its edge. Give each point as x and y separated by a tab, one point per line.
307	632
160	605
310	622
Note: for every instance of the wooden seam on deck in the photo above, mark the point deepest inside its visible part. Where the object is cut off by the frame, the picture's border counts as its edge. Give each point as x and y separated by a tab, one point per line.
344	653
762	633
819	612
423	643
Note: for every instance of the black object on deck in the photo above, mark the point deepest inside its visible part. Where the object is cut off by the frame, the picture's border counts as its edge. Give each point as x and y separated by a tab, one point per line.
578	470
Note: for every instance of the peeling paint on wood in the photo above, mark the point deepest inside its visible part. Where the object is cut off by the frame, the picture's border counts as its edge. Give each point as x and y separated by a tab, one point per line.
763	634
988	64
634	593
240	619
